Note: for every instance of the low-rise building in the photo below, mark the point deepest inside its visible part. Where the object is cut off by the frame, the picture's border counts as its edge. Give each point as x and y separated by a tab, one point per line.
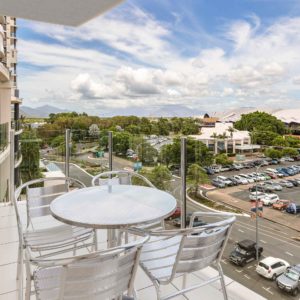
224	138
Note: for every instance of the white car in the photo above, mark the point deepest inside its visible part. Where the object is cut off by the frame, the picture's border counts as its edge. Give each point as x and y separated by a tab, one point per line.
269	199
248	178
260	195
224	179
237	166
240	179
271	267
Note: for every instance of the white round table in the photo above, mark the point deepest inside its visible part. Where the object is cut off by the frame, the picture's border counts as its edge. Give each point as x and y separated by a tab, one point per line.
113	207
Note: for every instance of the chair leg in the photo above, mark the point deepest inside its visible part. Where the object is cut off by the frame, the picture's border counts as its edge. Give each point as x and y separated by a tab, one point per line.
28	280
184	281
222	280
19	262
20	275
157	288
95	240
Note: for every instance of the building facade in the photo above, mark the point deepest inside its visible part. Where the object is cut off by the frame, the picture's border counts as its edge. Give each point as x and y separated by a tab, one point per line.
222	137
9	104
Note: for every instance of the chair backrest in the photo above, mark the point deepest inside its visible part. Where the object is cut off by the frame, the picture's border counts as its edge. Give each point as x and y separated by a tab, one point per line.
101	275
119	177
38	199
172	252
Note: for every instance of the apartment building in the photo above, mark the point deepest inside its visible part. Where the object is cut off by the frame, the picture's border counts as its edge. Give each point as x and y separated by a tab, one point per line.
9	104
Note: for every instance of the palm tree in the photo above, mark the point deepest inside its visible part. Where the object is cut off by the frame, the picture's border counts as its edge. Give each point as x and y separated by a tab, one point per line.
196	176
215	137
231	131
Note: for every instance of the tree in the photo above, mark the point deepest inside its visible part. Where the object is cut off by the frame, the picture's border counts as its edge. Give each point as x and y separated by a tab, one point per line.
160	176
146	152
273	153
290	152
197	176
263	137
280	141
260	121
222	159
30	149
189	126
94	131
121	142
231	131
292	141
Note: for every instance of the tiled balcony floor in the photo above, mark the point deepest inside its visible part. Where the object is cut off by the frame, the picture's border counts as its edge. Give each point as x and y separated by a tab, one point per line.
8	266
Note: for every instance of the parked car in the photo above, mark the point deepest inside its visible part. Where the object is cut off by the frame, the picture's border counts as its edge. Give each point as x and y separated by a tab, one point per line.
275	185
289	281
275	172
259	187
269	199
287	158
197	222
224	169
249	179
272	175
218	183
258	195
216	169
271	267
244	252
209	171
274	162
237	166
175	214
234	181
285	183
241	180
293	208
225	180
281	204
294	182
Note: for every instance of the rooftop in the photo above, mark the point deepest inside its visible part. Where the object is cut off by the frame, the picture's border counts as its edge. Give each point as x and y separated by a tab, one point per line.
8	267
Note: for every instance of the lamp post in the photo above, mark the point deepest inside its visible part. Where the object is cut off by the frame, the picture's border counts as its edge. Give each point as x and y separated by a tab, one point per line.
256	213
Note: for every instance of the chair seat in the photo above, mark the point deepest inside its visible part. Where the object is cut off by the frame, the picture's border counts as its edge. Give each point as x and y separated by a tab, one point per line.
55	237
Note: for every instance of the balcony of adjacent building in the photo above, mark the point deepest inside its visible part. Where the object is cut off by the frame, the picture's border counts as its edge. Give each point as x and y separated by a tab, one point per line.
18	158
17	126
15	98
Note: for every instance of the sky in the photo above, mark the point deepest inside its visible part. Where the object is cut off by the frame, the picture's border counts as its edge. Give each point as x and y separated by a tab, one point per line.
149	56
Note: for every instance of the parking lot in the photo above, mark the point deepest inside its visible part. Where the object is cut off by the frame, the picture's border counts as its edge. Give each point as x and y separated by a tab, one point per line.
292	194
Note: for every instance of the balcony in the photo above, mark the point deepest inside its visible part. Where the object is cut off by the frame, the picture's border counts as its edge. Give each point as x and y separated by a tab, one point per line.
4	73
144	287
16	125
18	158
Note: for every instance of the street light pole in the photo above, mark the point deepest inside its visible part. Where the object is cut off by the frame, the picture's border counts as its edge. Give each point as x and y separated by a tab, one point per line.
256	213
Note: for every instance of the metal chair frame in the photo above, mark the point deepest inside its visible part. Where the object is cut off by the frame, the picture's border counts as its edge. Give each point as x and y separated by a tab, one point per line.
119	174
114	268
35	241
171	253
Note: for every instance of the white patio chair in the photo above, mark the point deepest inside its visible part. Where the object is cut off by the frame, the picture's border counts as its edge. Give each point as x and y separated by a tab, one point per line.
171	253
126	177
48	241
101	275
119	177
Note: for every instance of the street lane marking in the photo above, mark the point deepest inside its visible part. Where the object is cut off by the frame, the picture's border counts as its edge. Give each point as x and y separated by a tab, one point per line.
239	271
240	230
288	253
249	267
264	242
271	236
248	277
268	290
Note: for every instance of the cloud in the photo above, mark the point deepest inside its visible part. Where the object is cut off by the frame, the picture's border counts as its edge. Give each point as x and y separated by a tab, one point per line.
130	58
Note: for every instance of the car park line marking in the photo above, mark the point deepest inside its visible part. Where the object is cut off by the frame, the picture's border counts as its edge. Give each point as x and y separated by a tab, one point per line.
268	290
224	261
272	236
240	230
264	242
248	277
249	267
288	253
239	271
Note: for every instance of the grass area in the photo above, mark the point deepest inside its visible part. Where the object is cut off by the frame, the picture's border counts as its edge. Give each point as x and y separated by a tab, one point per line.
213	204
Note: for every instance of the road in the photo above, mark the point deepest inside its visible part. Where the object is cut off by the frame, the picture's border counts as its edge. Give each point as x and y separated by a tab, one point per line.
276	240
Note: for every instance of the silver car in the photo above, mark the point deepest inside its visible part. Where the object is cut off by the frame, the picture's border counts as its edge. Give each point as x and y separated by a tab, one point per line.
289	281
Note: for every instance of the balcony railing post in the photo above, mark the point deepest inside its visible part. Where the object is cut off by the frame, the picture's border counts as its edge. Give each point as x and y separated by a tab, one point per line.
12	166
110	150
67	158
183	182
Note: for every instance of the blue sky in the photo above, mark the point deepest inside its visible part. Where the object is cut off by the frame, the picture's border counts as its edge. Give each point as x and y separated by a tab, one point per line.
145	56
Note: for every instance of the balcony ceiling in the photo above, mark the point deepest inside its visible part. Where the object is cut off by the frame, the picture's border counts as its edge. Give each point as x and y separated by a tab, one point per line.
64	12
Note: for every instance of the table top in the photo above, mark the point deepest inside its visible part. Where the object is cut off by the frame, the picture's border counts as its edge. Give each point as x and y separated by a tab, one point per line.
113	206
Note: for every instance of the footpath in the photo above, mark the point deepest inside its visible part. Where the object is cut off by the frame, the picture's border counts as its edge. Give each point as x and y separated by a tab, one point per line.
285	219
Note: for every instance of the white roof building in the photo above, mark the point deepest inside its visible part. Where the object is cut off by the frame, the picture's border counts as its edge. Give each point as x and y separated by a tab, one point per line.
213	138
288	115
